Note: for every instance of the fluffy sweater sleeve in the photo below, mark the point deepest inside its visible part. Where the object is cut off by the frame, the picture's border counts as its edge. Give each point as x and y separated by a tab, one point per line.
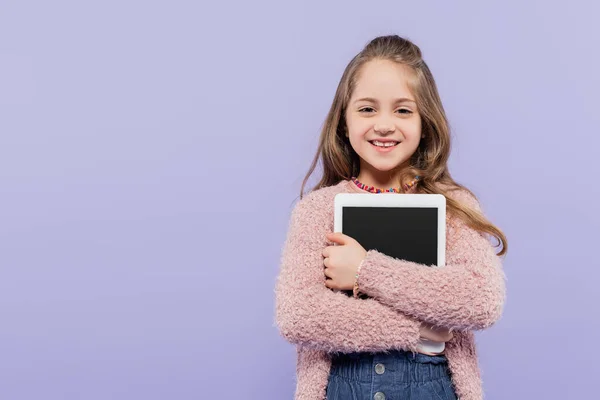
467	293
309	313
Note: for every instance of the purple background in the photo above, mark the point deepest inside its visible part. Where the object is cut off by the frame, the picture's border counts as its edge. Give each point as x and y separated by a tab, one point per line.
150	154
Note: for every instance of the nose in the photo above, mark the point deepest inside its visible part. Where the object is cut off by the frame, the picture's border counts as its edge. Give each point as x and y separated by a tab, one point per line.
384	128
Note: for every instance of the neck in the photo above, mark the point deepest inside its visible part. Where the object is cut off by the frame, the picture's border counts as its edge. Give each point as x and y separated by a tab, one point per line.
381	183
382	180
371	176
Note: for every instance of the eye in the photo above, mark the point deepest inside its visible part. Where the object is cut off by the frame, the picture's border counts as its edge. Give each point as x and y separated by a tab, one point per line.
366	110
404	111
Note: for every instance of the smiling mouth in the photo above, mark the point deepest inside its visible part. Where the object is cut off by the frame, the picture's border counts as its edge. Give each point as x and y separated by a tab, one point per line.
383	145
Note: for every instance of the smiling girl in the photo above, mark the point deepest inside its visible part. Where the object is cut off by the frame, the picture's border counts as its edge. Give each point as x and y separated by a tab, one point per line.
386	131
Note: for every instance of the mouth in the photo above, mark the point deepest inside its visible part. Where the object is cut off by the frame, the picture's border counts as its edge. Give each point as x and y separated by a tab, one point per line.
388	144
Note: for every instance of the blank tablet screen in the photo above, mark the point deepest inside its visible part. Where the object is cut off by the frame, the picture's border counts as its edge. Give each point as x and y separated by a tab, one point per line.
407	233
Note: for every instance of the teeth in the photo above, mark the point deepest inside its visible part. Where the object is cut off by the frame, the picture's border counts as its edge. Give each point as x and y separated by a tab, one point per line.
386	144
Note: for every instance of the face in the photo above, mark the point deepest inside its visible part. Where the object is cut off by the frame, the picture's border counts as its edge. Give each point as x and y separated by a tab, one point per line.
383	123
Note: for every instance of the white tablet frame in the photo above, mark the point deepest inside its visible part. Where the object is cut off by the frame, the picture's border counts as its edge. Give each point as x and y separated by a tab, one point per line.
438	201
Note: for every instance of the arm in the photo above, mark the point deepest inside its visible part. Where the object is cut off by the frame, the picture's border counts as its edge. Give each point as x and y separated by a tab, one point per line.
467	293
309	313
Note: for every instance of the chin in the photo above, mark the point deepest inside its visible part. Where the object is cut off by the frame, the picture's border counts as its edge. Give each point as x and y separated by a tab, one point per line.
385	167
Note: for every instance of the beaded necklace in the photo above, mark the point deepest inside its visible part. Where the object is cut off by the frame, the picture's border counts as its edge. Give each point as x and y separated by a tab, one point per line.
373	189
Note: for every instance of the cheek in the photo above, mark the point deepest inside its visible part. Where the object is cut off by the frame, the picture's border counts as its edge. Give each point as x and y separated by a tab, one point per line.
357	138
417	128
358	129
412	131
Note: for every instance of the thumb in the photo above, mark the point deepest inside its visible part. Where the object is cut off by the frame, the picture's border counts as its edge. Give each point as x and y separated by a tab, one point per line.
338	237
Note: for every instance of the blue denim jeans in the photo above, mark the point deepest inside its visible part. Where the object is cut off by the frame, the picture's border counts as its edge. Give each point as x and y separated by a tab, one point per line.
395	375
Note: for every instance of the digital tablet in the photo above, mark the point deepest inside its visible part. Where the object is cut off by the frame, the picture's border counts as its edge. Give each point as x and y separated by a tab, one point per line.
409	227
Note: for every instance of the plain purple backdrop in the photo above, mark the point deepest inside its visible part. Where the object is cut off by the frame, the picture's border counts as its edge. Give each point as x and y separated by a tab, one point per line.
151	152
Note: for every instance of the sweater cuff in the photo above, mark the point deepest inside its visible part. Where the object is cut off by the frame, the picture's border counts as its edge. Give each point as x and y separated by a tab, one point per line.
376	274
369	275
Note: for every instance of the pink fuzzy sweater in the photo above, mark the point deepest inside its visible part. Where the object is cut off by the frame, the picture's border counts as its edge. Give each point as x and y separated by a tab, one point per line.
465	295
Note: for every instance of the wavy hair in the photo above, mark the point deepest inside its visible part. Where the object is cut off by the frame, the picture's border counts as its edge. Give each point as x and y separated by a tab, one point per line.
340	161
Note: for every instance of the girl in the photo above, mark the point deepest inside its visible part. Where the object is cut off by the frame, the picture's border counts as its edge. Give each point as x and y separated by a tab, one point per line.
386	129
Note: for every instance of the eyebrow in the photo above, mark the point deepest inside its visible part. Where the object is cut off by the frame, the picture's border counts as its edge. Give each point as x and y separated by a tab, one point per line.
400	100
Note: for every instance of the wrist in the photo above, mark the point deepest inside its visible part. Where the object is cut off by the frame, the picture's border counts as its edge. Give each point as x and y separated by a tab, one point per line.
356	288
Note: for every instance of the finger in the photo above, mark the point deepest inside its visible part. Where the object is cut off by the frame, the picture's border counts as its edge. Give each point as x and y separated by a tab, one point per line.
326	262
339	238
326	251
330	284
327	273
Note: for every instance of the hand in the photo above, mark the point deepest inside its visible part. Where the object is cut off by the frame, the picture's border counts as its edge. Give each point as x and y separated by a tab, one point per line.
341	262
435	334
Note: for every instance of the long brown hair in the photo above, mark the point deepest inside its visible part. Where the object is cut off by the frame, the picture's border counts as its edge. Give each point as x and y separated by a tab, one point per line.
340	161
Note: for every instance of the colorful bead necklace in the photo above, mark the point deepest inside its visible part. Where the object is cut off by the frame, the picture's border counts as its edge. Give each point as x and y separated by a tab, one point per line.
373	189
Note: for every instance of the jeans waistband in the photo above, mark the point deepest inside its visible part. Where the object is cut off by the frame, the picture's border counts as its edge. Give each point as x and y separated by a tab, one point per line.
400	366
